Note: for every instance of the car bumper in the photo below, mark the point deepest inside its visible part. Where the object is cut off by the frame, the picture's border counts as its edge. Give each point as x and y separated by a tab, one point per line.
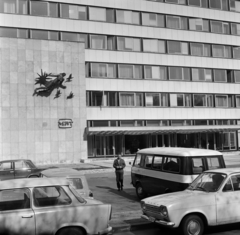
161	222
106	230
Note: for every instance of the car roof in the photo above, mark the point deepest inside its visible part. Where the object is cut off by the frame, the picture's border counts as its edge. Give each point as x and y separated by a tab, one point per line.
183	152
32	182
62	172
13	160
227	171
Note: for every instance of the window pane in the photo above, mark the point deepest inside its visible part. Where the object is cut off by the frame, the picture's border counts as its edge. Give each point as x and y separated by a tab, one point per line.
184	48
53	35
39	34
8	32
220	75
69	37
98	70
39	8
111	70
125	71
152	100
161	46
73	12
53	9
196	3
208	74
126	99
139	99
22	7
84	38
173	22
135	17
175	73
215	4
209	99
164	100
64	10
50	196
236	52
171	164
218	51
196	49
186	74
98	42
82	13
238	101
157	163
8	6
98	14
221	101
150	45
188	100
237	76
216	27
110	16
138	71
22	33
174	47
199	100
14	199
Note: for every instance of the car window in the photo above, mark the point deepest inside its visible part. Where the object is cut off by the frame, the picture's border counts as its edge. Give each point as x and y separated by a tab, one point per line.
50	196
4	166
147	163
77	195
213	163
20	165
137	160
171	164
14	199
157	163
197	165
236	182
75	182
228	186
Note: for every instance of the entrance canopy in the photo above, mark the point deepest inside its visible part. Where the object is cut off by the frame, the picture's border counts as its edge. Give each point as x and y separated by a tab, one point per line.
160	130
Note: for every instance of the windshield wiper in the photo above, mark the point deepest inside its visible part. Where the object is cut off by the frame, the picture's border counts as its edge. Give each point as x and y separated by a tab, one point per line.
201	188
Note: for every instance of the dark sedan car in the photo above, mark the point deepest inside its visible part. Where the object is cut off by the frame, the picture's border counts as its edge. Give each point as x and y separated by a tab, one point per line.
21	168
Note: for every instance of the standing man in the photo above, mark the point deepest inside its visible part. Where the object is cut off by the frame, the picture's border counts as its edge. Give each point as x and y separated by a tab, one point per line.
119	165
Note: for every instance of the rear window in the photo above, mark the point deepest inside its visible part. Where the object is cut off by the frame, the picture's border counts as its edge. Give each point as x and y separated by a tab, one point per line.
75	182
197	165
213	163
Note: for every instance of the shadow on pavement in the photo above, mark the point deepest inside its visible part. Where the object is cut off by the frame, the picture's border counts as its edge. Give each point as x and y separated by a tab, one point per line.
224	228
126	193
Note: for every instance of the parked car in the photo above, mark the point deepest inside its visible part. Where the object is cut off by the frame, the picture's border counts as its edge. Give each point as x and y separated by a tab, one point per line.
21	168
163	170
76	178
212	199
49	206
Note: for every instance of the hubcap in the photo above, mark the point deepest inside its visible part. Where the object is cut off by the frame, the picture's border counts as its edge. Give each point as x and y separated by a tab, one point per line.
193	227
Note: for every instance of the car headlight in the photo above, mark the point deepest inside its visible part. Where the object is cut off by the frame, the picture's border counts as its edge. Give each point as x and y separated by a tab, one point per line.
163	211
143	205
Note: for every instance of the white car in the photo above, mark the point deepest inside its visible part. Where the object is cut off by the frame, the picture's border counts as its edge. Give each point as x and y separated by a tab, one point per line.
212	199
49	206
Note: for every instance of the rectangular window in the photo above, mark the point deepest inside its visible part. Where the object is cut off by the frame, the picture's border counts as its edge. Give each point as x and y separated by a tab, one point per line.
221	101
199	25
127	17
175	47
199	100
235	28
236	52
157	163
127	99
8	32
155	72
53	10
8	6
198	49
152	99
221	51
96	98
178	73
98	42
103	70
177	100
97	14
237	76
202	75
235	5
154	45
14	199
174	22
130	71
110	15
220	27
171	164
220	75
39	34
53	35
73	37
128	44
39	8
164	100
50	196
237	101
151	19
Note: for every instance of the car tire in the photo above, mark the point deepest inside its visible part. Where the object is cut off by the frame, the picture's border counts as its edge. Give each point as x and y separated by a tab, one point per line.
140	192
192	225
71	231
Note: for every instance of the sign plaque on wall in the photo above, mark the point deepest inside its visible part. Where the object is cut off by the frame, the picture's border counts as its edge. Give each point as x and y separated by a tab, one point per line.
65	123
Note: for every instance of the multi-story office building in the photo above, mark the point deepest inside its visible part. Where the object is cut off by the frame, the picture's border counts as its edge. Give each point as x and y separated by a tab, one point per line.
145	74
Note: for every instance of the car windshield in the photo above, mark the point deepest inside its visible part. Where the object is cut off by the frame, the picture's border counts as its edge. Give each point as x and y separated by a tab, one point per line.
207	182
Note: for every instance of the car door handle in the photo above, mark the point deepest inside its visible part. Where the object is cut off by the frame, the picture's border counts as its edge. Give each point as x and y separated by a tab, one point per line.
27	216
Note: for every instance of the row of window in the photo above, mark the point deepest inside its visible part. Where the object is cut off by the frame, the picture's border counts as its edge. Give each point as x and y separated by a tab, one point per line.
140	99
128	71
225	5
40	8
126	123
107	42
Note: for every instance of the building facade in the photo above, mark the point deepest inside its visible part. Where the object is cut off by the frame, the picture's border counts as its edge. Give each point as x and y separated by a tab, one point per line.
150	73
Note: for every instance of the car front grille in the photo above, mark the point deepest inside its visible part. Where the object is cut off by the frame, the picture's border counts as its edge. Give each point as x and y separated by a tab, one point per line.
153	209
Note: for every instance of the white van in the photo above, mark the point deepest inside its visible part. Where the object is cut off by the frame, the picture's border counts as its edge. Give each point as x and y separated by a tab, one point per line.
163	170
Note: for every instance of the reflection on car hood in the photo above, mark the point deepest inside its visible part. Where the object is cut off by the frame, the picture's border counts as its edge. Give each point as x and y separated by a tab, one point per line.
183	197
92	201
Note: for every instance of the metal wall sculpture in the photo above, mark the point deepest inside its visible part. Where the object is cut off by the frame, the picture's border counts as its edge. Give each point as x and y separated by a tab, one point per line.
49	82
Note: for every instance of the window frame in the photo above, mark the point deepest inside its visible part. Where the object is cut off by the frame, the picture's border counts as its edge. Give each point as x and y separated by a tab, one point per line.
216	102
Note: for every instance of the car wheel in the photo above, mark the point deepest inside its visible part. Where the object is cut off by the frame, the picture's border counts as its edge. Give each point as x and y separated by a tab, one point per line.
71	230
192	225
140	192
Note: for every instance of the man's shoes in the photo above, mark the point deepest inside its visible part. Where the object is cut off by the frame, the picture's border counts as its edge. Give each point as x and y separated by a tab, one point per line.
118	189
121	188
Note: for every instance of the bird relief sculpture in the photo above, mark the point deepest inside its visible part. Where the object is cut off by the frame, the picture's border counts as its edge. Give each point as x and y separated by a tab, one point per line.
49	82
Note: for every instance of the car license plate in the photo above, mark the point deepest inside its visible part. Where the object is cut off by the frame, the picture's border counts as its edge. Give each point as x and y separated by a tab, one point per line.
151	219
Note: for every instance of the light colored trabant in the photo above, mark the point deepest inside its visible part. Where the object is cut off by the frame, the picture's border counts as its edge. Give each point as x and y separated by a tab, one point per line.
212	199
49	206
76	178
